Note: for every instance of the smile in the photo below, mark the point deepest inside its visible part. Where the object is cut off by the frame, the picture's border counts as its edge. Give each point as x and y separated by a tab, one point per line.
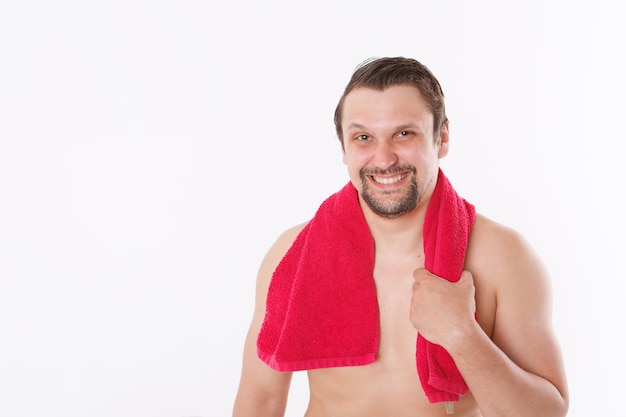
389	180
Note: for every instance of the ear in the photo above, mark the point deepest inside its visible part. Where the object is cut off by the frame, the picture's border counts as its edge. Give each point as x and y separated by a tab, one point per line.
343	155
444	140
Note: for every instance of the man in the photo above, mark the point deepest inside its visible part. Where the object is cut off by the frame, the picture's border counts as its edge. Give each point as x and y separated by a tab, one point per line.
494	321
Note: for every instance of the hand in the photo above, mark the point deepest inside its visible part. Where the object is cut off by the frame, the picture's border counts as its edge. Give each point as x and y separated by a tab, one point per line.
442	311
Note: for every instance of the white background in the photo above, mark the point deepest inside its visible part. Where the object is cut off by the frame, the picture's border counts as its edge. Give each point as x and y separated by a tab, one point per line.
151	151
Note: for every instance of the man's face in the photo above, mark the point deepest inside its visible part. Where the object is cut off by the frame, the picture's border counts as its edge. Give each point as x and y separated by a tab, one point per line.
389	148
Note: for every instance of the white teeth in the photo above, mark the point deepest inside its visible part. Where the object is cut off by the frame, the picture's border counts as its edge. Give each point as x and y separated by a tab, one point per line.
389	180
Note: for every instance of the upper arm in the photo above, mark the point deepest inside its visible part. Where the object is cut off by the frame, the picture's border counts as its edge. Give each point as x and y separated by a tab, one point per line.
522	294
260	386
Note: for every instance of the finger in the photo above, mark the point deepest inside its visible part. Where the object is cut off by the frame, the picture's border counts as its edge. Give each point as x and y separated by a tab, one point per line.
466	276
420	274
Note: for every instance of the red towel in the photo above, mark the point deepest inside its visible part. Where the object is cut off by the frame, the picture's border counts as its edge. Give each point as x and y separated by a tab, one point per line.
321	308
447	228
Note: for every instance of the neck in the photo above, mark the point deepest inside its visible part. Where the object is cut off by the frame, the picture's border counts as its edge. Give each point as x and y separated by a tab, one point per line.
401	232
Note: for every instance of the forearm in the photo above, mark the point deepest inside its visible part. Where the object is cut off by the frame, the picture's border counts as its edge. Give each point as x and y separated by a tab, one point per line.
251	406
502	388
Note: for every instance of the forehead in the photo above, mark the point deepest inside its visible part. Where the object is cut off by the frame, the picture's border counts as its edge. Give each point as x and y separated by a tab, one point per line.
399	103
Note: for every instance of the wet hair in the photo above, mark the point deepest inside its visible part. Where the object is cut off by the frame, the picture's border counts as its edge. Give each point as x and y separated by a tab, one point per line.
382	73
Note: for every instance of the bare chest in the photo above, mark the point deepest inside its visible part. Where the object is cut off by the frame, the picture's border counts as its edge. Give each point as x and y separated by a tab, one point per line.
389	386
393	276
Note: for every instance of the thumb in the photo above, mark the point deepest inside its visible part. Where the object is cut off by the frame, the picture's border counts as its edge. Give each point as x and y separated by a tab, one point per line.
466	275
420	274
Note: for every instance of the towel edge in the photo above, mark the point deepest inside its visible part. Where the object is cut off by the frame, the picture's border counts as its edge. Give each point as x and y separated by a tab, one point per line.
316	363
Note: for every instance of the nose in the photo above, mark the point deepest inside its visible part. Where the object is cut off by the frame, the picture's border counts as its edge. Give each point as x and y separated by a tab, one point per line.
385	155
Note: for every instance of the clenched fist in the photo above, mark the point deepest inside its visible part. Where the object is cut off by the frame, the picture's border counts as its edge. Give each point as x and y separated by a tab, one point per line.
442	311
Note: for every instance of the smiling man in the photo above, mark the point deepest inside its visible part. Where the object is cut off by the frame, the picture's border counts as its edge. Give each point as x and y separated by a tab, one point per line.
397	298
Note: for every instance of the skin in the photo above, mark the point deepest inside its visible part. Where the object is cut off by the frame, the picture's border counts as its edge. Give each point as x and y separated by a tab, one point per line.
509	358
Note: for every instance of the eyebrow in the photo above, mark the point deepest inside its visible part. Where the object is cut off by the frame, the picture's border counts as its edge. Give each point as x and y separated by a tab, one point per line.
403	126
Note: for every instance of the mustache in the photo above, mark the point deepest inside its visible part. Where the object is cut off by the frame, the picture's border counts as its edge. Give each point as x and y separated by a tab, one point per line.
389	171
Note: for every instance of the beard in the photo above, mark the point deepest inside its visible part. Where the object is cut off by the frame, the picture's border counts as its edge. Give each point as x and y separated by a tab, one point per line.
390	204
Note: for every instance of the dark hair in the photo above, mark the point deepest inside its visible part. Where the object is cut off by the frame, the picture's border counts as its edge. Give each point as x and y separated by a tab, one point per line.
381	73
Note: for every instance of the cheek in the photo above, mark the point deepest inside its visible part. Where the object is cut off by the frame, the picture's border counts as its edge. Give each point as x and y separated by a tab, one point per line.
417	157
356	157
354	165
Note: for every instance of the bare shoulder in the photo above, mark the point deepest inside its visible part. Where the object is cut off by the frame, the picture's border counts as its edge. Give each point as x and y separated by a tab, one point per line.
503	254
280	247
286	238
490	235
271	260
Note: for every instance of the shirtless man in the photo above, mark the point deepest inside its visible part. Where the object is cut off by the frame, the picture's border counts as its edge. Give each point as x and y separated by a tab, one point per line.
393	131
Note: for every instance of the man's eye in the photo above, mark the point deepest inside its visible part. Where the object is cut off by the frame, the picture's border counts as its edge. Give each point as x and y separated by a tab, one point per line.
405	134
362	137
